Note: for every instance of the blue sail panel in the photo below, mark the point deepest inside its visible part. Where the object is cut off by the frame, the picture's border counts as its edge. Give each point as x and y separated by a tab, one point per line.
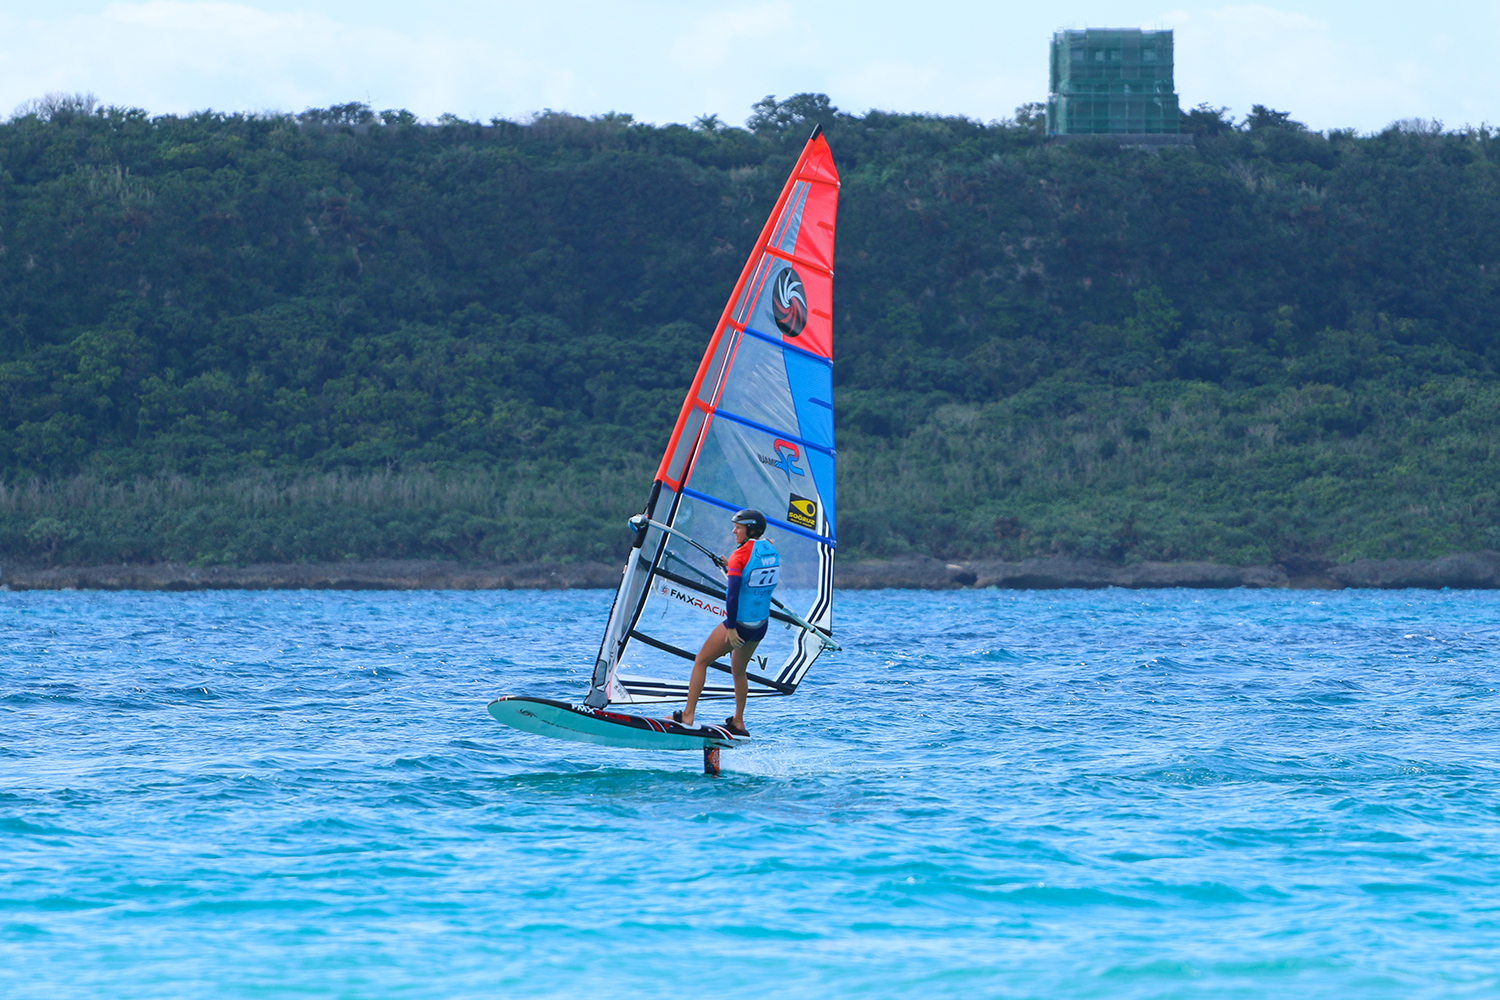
810	382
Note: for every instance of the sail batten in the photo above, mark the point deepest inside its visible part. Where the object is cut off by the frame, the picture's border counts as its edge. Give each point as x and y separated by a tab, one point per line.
777	341
724	505
783	433
755	430
800	262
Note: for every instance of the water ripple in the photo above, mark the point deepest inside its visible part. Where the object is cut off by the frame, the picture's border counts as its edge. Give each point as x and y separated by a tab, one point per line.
1048	794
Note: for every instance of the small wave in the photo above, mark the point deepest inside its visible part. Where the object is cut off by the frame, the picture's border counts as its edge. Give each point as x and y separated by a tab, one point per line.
1057	806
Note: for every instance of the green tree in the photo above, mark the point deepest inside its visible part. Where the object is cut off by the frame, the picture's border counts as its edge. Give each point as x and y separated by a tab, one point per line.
796	113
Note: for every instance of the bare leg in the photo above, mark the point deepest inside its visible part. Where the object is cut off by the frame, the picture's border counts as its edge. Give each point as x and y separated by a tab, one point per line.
740	661
715	646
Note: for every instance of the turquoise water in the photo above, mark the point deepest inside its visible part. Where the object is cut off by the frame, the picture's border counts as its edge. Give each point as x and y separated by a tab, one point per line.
994	794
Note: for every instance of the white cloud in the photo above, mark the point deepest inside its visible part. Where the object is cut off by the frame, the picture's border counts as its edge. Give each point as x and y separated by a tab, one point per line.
1255	54
719	41
1331	63
662	60
231	56
915	87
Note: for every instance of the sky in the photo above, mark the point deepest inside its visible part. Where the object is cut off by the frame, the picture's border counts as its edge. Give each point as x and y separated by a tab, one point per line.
1330	63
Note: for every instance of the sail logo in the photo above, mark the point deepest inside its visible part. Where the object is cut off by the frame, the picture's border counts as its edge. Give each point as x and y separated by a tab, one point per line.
802	512
787	456
691	600
789	303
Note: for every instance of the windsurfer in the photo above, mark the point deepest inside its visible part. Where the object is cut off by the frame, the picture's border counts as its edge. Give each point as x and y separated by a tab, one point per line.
753	571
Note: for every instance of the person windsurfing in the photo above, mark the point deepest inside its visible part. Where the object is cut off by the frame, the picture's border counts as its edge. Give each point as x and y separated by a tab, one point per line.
753	571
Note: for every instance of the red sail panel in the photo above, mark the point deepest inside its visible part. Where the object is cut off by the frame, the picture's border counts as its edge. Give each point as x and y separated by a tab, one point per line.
797	309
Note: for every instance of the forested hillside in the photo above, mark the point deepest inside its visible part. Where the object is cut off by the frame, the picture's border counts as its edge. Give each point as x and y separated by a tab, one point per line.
345	334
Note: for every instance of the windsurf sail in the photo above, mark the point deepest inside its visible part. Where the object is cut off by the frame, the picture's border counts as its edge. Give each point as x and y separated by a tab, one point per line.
756	430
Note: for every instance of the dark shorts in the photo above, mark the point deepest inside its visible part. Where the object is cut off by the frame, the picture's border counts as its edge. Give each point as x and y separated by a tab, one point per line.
750	634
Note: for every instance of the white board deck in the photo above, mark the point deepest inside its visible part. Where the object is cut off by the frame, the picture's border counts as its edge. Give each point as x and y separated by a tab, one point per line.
560	720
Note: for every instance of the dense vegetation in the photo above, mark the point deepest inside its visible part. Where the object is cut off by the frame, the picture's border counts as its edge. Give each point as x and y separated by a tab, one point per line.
342	334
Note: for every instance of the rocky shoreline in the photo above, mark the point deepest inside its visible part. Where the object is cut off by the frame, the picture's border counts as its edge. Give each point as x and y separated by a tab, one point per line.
1471	571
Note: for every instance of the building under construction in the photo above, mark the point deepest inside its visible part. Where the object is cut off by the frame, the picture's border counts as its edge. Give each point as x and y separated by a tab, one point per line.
1112	81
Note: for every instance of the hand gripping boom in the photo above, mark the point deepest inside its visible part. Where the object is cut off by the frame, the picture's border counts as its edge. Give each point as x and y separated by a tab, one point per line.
642	521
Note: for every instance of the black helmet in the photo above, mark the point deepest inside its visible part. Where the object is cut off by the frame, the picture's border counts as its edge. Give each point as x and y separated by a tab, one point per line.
754	522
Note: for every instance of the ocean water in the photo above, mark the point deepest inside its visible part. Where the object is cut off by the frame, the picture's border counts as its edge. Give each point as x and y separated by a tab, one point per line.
987	794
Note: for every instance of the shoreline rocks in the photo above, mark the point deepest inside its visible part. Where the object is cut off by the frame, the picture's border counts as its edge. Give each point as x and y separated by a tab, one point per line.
375	574
1470	571
1050	574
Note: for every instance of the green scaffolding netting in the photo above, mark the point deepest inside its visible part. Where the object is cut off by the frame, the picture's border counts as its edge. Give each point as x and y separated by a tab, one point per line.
1110	81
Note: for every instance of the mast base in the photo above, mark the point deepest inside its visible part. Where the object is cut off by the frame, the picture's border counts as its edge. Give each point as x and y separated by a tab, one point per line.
710	760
